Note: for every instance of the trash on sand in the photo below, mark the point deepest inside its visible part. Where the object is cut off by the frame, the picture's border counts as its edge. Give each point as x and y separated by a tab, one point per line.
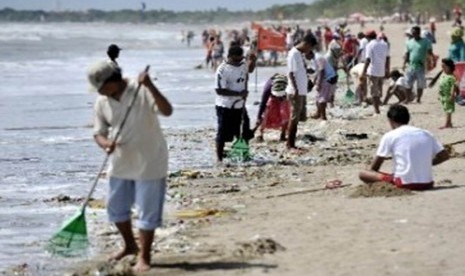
258	247
356	136
201	213
189	174
333	184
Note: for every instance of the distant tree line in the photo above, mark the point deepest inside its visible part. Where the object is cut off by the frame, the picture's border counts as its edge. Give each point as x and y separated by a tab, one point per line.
320	8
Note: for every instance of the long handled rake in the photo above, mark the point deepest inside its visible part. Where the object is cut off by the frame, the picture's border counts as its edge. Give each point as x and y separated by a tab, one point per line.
72	236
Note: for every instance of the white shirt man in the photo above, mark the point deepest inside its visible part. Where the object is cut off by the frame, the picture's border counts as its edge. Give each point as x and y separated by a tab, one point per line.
378	52
296	65
413	150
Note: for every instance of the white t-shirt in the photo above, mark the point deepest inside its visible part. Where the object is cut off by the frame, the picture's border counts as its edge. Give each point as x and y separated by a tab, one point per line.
402	82
296	65
412	150
377	52
233	78
357	70
363	44
141	152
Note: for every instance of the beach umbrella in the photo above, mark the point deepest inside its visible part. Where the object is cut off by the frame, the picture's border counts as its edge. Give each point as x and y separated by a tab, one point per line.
71	238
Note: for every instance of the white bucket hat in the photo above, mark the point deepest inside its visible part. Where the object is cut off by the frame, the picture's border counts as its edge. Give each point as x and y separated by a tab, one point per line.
278	87
99	72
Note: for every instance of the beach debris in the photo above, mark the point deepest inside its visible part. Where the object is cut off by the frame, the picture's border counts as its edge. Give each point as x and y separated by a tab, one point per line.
258	247
66	199
356	136
311	138
120	268
333	184
97	204
379	189
21	269
199	213
233	189
188	174
326	187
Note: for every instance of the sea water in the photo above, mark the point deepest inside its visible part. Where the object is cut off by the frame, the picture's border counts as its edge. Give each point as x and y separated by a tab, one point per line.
46	145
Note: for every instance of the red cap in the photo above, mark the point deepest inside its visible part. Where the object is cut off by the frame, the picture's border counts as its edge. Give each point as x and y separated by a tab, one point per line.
371	33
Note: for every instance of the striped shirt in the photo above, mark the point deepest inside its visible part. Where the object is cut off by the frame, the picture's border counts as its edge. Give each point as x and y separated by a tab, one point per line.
233	78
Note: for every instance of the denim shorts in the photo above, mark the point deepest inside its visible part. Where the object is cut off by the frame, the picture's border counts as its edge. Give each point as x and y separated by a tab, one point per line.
417	75
147	195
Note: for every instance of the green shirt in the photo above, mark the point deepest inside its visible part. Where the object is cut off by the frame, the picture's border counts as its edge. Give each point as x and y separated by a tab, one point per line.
445	86
418	51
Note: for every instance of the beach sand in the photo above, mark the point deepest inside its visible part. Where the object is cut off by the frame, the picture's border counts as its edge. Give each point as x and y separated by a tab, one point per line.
277	218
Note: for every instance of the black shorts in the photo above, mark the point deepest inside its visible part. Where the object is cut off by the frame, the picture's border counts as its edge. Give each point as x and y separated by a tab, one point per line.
229	124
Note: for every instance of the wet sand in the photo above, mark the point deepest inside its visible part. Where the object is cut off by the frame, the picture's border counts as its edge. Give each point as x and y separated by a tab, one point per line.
275	217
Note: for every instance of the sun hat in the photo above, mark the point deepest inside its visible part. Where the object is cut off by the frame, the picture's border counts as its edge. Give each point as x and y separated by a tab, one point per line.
100	72
278	86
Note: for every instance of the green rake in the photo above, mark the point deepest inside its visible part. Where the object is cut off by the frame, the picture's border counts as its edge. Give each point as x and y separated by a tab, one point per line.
240	151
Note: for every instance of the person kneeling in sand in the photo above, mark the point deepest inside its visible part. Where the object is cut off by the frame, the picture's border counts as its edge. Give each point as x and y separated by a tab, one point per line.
398	87
139	158
414	152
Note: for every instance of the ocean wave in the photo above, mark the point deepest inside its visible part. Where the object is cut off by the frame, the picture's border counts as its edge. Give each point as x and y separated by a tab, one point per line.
45	128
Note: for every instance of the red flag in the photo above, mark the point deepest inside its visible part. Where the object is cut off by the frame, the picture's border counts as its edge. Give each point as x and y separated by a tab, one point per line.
271	40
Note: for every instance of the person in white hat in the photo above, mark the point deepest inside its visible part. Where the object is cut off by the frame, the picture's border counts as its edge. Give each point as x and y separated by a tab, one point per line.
139	158
274	111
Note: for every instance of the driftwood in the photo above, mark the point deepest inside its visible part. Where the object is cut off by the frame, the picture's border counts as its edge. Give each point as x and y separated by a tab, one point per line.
308	191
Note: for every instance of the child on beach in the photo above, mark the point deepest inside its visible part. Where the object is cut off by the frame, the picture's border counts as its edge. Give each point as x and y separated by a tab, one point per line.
274	109
398	87
448	90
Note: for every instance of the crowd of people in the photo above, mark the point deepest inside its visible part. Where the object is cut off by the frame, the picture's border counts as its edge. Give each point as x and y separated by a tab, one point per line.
314	58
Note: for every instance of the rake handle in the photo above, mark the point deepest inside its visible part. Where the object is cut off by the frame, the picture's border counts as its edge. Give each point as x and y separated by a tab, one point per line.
455	143
118	133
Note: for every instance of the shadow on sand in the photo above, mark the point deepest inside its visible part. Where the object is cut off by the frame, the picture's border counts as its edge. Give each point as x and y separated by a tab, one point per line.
437	188
218	265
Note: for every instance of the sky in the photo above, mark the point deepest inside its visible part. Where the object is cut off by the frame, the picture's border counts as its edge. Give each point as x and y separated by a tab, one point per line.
174	5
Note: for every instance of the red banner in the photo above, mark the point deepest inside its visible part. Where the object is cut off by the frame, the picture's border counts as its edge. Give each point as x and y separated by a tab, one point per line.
271	40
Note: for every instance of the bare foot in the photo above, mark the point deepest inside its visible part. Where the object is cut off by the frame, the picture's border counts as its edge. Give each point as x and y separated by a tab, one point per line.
141	266
123	253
